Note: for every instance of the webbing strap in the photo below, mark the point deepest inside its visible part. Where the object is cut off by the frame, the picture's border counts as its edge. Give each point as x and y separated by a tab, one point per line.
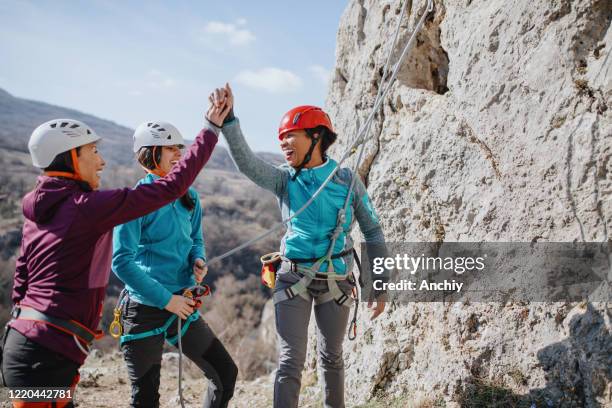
306	260
300	288
163	329
172	340
67	326
335	294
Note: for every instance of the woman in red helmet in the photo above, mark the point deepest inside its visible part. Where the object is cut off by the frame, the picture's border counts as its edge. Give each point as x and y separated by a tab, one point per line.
316	250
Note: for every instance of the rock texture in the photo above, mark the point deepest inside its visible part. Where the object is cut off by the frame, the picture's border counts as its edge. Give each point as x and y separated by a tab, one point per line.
499	128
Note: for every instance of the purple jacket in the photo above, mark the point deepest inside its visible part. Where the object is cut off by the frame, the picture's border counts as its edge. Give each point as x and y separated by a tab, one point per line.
66	250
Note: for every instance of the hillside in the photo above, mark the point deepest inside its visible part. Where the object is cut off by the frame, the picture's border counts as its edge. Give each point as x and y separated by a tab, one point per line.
20	116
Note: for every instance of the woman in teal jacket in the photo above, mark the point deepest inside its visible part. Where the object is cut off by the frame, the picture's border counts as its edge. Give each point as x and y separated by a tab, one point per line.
158	256
314	267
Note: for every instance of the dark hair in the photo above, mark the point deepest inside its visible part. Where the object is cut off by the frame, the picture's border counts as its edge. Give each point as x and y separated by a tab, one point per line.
327	137
63	162
145	157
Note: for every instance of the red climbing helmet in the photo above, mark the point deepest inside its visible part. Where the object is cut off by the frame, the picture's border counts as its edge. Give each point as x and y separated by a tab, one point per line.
303	117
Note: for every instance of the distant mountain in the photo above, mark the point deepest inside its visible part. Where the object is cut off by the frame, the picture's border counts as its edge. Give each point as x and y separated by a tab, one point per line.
235	208
20	116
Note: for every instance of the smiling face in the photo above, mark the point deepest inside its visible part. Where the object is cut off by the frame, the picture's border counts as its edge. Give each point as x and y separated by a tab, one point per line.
170	155
295	145
91	165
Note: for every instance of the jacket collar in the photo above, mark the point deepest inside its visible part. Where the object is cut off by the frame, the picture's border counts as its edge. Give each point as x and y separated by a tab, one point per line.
316	174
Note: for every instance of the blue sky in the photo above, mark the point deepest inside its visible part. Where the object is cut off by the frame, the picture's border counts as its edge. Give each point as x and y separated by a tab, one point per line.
134	61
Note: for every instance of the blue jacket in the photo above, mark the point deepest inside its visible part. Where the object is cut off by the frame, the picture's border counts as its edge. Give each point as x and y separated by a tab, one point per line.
154	255
308	235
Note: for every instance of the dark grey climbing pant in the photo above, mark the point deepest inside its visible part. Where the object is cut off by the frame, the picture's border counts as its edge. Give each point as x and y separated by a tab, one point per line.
200	345
292	317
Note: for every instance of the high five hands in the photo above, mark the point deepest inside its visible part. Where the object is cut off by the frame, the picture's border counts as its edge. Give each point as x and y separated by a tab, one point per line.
221	104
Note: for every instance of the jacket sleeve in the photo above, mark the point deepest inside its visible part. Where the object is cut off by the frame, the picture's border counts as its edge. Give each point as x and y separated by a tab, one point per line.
126	238
20	283
371	229
260	172
108	208
198	249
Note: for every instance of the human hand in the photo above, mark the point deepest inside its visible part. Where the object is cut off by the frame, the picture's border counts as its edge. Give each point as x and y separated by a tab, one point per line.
229	97
220	106
200	269
379	307
180	306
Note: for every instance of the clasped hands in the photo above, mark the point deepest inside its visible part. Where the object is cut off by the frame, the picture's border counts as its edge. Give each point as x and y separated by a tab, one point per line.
221	105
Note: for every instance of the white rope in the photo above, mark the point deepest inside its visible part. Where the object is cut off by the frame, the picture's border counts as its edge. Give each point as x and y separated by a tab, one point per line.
180	362
342	213
360	138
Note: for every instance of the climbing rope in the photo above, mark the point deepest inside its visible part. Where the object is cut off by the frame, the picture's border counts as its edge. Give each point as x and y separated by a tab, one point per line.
352	330
196	293
360	138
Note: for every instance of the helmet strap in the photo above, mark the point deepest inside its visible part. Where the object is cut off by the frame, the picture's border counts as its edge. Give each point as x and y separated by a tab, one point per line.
64	174
157	170
75	164
76	175
306	158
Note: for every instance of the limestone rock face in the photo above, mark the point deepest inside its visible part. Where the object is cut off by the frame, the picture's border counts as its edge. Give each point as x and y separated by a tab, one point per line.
498	128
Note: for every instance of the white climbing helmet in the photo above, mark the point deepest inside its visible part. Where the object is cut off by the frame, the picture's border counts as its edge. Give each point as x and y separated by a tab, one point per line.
58	136
156	133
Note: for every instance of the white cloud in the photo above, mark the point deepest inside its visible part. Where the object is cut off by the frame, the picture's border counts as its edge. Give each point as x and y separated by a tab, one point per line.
320	73
231	33
156	80
241	21
270	79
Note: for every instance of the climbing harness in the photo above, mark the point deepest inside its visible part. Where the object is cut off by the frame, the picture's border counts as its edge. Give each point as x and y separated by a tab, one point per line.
196	293
308	274
82	335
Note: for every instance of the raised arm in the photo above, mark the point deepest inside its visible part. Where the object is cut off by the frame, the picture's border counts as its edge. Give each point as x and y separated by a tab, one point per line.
107	208
259	171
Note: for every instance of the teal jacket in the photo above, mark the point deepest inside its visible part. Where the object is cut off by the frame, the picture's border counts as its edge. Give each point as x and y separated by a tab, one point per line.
308	235
154	255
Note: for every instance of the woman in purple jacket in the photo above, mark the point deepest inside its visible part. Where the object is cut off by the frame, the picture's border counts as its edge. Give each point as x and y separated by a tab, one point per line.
65	259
